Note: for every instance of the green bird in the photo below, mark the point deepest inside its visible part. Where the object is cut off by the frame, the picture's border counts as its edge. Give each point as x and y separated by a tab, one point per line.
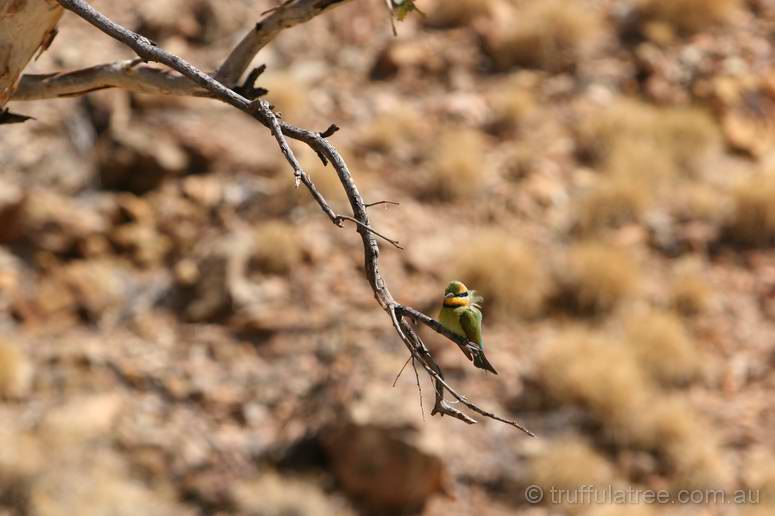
461	313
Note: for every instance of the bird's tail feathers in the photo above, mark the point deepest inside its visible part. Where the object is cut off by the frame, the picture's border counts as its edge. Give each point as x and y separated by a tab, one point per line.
481	362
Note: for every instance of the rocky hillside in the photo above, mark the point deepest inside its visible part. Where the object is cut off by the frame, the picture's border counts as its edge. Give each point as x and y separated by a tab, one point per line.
182	331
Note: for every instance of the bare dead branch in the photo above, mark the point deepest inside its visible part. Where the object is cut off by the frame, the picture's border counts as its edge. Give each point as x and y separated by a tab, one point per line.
129	75
284	16
261	111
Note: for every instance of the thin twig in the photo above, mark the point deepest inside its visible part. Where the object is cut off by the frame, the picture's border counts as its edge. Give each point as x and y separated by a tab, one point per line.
402	370
392	203
330	130
419	388
395	243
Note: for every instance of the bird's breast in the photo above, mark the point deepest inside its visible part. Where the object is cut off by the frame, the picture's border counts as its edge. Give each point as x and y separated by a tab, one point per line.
450	319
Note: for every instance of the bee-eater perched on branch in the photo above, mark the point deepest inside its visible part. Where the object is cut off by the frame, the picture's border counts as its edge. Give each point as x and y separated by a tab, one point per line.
461	313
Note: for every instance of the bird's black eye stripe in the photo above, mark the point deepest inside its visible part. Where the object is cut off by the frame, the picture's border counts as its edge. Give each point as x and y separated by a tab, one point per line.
462	294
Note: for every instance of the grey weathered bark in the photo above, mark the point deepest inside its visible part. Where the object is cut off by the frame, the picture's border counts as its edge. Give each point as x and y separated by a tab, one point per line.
25	27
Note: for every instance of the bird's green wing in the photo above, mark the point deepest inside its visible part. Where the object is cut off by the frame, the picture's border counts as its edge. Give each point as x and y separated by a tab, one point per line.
471	321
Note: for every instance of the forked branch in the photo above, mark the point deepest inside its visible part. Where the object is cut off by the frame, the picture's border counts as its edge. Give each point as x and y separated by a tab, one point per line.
139	77
261	111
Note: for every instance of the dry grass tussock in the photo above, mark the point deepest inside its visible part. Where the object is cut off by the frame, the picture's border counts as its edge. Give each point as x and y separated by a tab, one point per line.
689	292
513	102
389	131
458	167
688	16
595	277
660	142
287	93
272	495
507	272
611	202
686	445
546	34
569	463
577	368
692	200
597	373
663	347
277	248
752	221
15	371
759	473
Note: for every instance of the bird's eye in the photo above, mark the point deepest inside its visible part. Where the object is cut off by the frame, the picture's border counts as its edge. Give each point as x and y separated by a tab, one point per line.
463	294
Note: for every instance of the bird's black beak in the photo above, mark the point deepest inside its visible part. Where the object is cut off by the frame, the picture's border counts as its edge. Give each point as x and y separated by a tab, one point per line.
449	295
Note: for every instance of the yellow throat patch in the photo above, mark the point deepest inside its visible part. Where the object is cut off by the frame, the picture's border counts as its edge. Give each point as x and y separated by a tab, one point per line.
456	301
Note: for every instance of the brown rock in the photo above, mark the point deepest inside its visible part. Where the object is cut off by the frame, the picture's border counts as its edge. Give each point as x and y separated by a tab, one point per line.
56	224
381	469
11	206
138	161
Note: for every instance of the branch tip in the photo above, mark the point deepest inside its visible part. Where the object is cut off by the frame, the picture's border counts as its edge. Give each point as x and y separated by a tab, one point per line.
330	131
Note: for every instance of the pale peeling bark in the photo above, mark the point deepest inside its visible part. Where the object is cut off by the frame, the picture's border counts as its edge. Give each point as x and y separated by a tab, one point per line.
25	26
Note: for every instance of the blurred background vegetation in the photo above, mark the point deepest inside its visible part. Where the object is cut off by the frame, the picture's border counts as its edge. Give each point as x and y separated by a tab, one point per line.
183	332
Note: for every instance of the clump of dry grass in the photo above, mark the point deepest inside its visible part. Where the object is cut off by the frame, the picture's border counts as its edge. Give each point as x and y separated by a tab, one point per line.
596	372
15	371
277	248
619	137
458	13
390	131
663	347
611	202
287	93
513	102
595	278
689	292
547	34
685	444
759	473
752	221
458	167
688	16
272	495
507	272
567	464
701	201
592	371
